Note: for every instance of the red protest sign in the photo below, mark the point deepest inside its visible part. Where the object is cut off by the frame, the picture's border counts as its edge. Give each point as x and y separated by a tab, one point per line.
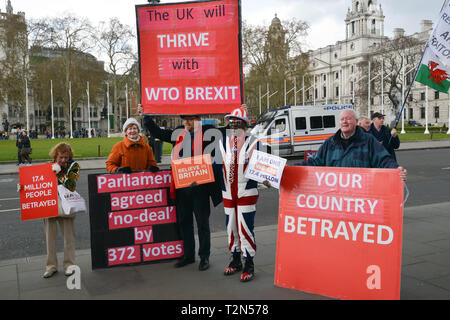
38	193
187	170
340	232
190	57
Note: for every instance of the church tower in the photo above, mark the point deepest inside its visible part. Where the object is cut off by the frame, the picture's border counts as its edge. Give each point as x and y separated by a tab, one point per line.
275	46
9	8
365	18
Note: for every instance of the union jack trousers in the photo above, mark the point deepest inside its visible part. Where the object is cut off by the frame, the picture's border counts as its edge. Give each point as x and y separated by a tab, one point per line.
239	194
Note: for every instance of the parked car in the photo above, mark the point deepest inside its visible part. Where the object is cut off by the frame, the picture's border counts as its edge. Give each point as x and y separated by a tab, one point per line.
413	123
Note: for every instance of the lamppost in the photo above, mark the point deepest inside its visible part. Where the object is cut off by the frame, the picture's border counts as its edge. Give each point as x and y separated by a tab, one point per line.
89	110
403	96
354	85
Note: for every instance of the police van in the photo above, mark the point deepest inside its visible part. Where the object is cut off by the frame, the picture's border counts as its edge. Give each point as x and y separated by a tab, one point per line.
295	129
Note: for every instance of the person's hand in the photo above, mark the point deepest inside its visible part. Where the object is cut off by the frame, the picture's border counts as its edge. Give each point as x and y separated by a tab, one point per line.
244	107
154	169
403	173
56	168
123	170
267	183
19	187
194	184
394	133
140	109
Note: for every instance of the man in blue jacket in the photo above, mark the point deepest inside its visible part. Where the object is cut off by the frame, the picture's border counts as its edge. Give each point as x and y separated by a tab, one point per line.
351	147
388	138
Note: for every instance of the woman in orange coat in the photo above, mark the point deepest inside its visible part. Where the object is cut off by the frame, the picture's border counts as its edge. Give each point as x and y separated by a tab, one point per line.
132	153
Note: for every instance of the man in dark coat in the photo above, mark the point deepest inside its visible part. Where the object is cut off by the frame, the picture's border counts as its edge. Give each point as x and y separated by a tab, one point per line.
388	138
351	147
193	200
19	145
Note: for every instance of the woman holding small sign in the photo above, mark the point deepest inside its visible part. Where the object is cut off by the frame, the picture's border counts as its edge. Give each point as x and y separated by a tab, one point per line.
67	172
133	153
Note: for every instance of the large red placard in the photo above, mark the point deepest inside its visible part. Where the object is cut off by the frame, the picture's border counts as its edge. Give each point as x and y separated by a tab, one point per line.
340	232
190	57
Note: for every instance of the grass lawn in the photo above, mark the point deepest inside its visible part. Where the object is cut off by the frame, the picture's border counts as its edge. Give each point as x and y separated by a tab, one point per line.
416	136
83	148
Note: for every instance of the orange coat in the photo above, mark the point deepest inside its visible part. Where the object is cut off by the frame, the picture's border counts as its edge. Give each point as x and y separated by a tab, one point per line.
126	153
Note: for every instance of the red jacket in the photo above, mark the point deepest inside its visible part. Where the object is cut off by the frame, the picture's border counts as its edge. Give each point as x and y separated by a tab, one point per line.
126	153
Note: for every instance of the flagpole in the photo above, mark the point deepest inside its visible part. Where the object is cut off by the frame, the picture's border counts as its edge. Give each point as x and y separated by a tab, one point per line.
260	111
314	91
403	95
53	115
70	110
409	89
426	111
126	98
382	86
107	106
368	93
448	132
27	107
89	110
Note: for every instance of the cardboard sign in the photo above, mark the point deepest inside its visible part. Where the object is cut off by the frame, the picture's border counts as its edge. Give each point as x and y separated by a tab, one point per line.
133	220
38	193
190	57
188	170
340	232
264	166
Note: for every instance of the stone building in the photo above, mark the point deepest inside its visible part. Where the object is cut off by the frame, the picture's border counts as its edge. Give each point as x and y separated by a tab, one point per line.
11	62
337	75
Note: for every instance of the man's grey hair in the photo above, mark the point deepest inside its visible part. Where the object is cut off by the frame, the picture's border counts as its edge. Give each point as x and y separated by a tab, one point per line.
362	118
352	111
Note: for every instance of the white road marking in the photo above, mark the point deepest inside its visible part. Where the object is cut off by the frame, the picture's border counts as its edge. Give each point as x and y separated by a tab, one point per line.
8	199
9	210
446	168
6	180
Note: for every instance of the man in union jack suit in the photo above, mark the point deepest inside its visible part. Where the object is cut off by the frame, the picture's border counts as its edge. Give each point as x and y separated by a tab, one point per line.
239	193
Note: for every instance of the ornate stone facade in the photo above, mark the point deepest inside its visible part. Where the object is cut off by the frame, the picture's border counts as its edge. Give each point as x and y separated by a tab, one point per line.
338	77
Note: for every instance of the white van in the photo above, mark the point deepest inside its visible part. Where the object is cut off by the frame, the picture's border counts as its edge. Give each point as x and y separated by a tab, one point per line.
298	128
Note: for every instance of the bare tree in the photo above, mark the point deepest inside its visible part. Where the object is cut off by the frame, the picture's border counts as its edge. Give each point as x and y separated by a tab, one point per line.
114	41
272	55
391	55
67	40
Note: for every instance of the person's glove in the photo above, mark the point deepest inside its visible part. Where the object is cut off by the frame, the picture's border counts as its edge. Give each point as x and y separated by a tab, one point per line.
123	170
154	169
56	168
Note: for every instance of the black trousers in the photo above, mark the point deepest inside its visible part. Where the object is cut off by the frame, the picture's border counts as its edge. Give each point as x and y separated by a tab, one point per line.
194	202
19	156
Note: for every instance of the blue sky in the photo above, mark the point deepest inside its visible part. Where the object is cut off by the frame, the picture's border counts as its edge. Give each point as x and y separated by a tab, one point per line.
326	17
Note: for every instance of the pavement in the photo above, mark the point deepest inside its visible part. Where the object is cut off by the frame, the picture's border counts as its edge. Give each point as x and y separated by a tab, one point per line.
425	273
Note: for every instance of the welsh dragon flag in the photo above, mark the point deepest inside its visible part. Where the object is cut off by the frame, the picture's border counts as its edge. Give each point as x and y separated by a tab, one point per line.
433	70
433	73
